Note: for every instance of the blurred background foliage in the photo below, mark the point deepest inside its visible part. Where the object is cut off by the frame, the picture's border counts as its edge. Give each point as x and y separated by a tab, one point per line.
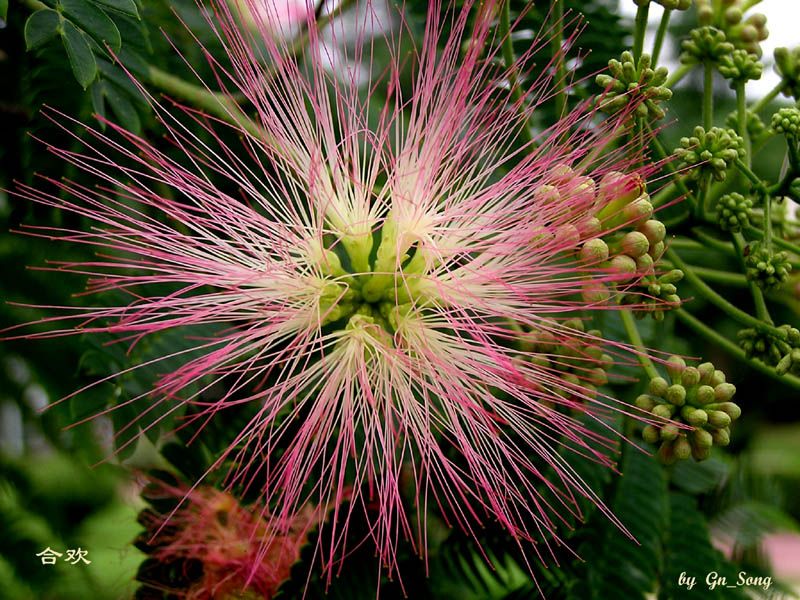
50	498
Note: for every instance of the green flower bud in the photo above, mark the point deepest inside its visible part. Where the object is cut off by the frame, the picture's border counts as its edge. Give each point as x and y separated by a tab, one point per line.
700	453
682	448
721	437
634	244
644	262
675	366
594	251
669	432
717	378
638	210
645	402
704	395
666	453
671	277
597	377
787	122
702	438
718	419
595	292
787	65
658	386
676	394
690	377
654	230
731	409
650	434
622	264
706	372
662	410
698	418
724	392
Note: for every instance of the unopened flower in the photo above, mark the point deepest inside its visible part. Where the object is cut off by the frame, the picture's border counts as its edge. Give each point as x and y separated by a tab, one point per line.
374	282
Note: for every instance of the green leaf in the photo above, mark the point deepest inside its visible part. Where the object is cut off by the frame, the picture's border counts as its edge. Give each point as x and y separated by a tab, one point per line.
119	102
94	22
80	54
98	101
3	9
41	27
127	7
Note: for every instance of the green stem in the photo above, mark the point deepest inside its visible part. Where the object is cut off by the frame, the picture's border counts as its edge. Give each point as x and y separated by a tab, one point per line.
759	106
709	294
508	59
723	342
713	242
556	45
636	339
748	172
659	41
758	298
639	30
678	75
661	154
708	94
722	277
741	114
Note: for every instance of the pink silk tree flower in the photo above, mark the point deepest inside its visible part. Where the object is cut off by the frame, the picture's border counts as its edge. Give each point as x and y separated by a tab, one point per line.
379	264
213	538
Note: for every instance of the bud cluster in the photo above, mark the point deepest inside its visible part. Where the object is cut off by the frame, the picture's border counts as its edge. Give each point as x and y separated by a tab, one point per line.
629	83
756	128
705	44
632	249
656	291
740	66
766	268
728	15
771	348
734	212
787	122
698	397
710	152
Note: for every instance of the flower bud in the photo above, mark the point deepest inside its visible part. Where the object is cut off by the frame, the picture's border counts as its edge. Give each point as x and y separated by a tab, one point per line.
594	251
595	293
635	244
717	378
724	392
721	437
706	372
654	230
704	395
690	377
650	434
697	418
669	431
638	210
645	402
700	453
644	262
718	419
666	453
676	394
682	448
675	366
658	386
623	264
662	410
731	409
702	438
656	250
